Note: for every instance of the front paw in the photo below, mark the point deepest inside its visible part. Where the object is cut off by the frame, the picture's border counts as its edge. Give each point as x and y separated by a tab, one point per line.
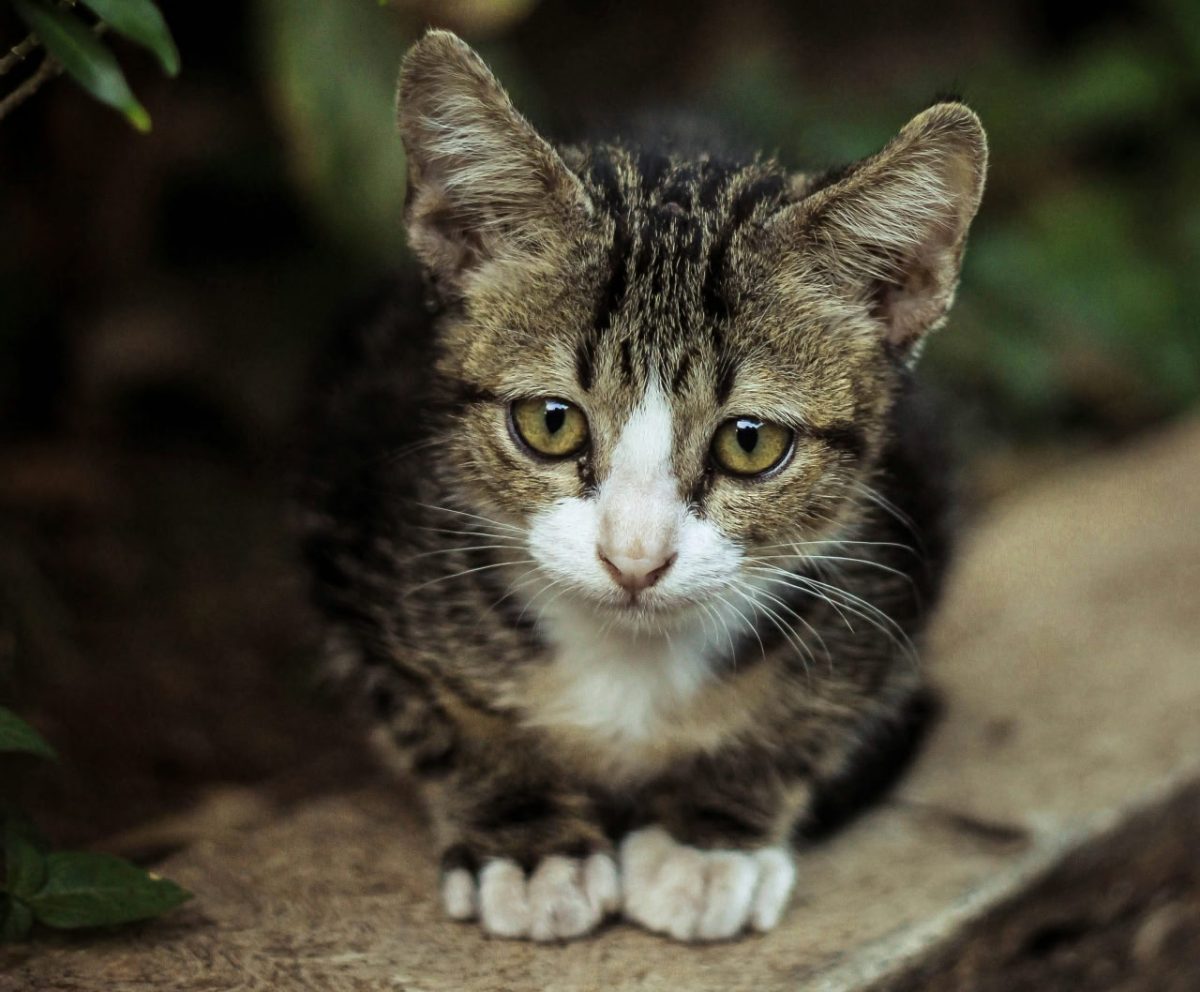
562	898
692	894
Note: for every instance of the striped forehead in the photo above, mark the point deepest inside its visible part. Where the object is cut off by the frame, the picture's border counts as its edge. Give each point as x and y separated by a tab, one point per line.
664	299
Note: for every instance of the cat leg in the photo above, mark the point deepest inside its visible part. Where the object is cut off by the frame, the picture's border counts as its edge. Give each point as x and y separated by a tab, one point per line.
525	860
717	861
522	852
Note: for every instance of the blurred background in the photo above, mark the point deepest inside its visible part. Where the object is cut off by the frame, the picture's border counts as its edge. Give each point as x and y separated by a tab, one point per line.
162	296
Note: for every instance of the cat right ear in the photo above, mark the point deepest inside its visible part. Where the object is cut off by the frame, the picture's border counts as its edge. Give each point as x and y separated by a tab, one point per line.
888	237
483	185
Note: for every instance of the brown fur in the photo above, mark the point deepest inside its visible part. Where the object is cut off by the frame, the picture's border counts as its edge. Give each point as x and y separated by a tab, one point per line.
585	273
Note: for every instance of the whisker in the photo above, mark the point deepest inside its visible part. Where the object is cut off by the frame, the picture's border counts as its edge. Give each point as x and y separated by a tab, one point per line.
808	626
468	533
551	601
725	624
869	612
473	516
762	649
839	542
468	571
873	495
457	548
777	621
790	579
511	587
804	556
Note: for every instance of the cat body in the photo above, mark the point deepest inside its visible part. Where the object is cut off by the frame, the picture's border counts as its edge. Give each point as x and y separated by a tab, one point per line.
626	542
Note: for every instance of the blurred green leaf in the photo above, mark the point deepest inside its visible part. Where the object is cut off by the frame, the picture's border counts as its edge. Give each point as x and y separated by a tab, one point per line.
1183	21
24	855
16	919
140	21
1110	81
332	69
87	890
17	735
84	58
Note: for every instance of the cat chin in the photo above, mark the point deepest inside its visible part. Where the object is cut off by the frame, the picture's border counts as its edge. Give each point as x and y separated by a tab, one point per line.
646	615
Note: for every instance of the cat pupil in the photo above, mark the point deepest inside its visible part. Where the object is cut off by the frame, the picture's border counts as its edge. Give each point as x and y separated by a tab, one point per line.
555	416
747	436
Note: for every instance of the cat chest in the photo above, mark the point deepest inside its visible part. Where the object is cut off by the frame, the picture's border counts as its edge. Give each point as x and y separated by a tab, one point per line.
626	711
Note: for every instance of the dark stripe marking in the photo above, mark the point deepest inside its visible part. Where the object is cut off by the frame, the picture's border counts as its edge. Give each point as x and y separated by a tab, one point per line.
747	199
841	436
726	374
681	373
585	363
515	808
626	363
436	764
713	822
459	856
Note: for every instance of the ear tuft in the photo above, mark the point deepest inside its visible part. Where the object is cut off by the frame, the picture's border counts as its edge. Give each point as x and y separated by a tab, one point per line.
890	234
483	184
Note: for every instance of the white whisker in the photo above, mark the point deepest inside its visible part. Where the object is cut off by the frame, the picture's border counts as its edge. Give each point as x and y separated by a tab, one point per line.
468	571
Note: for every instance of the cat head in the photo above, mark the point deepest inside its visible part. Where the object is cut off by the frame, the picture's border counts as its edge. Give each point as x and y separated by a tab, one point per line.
661	364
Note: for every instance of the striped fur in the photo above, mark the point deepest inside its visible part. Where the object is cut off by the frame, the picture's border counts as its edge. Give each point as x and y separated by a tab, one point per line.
549	722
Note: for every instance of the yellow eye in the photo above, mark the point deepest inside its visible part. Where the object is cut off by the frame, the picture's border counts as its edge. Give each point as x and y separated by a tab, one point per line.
550	427
746	446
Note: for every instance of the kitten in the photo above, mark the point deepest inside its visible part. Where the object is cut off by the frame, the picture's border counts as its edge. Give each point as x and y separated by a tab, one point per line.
627	543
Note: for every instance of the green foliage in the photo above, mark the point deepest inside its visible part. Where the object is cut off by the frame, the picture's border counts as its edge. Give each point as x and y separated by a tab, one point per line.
85	57
83	889
17	736
66	889
140	21
333	69
24	854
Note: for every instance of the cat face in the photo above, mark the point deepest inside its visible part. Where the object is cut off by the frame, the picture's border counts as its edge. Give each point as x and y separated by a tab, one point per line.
646	453
663	369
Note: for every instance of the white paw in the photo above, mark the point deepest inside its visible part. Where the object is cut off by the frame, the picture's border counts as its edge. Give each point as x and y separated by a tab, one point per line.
563	898
702	895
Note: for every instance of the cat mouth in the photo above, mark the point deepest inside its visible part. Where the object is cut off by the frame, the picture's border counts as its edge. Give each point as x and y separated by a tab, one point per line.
638	606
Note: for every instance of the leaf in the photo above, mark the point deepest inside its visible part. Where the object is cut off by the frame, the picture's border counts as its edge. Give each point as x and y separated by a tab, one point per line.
140	21
339	125
24	855
16	919
87	61
90	890
17	736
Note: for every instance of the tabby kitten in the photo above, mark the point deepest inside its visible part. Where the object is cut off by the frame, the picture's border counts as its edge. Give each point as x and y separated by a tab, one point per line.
628	540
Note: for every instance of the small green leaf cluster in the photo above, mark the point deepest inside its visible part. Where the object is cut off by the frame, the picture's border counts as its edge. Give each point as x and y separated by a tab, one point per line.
78	47
66	890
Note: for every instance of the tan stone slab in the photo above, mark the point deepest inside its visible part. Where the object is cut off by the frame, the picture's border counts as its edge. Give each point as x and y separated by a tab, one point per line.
1068	652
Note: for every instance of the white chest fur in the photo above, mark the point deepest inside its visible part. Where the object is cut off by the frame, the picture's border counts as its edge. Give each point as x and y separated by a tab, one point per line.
629	696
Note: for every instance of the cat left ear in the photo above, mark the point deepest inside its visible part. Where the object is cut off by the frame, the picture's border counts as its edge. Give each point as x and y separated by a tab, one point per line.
483	184
890	234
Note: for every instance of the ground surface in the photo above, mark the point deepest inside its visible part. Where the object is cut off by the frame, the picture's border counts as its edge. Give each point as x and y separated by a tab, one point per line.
1045	839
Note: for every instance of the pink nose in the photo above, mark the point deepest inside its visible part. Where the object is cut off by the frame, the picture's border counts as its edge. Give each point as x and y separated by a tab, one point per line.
635	574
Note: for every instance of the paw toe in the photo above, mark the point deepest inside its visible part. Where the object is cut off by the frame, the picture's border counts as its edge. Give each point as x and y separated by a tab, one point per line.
602	883
732	878
558	905
503	899
777	875
459	896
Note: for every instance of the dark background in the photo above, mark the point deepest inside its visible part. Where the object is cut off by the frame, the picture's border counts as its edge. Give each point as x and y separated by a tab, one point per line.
161	297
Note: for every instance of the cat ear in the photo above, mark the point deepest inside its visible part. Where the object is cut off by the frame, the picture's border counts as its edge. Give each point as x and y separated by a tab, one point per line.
890	234
482	183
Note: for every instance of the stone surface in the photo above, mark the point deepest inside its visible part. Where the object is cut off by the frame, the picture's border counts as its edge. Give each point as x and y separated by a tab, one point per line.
1068	655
